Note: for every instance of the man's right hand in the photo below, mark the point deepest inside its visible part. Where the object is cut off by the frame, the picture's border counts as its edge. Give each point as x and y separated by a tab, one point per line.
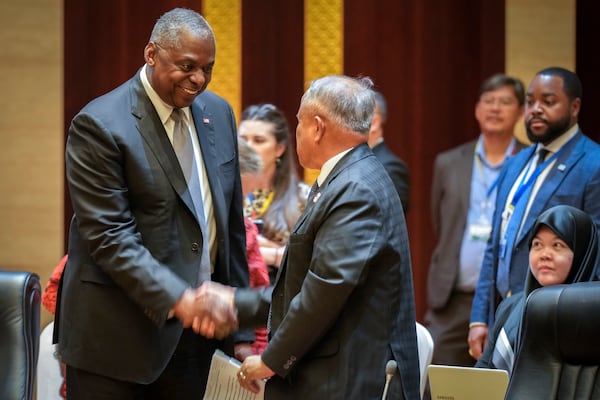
478	337
217	316
184	309
209	310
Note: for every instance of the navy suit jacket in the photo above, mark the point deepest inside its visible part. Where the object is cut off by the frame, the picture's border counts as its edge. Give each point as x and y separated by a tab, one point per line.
573	180
135	242
343	302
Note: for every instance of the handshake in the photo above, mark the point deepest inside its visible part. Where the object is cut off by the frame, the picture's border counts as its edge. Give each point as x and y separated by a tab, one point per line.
209	310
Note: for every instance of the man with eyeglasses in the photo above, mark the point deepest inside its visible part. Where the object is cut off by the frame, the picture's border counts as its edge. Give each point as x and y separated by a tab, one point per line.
462	205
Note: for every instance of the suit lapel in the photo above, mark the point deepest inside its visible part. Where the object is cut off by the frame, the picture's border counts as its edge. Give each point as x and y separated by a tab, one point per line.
153	131
465	163
512	173
206	138
564	163
355	154
352	156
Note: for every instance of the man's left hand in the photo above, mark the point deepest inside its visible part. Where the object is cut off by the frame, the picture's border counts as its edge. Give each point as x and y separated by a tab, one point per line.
252	370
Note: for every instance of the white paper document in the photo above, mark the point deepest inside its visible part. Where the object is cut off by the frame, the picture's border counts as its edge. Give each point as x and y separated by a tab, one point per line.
223	383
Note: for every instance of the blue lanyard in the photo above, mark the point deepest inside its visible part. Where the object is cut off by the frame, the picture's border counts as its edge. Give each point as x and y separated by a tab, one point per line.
480	168
491	189
523	186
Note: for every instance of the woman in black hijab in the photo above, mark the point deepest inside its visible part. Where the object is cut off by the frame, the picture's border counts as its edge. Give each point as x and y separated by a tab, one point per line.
563	248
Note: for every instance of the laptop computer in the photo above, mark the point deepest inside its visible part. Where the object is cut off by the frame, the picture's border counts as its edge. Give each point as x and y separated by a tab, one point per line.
463	383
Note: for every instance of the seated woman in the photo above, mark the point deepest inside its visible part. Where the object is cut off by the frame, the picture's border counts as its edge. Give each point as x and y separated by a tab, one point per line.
563	248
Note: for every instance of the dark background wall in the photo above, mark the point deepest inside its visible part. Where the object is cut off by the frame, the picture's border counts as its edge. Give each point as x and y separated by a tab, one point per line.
428	57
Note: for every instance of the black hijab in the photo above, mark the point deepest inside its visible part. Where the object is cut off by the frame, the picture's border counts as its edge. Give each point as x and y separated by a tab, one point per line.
578	230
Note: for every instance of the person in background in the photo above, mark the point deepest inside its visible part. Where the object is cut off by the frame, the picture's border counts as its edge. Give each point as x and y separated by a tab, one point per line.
463	196
563	249
250	170
51	290
343	302
49	302
395	166
153	173
561	167
280	197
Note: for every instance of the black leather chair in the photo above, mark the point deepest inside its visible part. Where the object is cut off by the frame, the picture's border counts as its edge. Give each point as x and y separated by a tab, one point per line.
559	350
20	296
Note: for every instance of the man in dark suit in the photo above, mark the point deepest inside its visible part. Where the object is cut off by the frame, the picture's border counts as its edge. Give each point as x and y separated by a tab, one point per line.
395	167
462	205
342	305
562	167
140	239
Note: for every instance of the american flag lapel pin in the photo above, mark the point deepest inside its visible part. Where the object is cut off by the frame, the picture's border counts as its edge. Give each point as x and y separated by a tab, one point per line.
206	121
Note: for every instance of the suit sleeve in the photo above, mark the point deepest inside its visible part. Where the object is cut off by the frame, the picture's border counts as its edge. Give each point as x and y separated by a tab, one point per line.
100	198
253	306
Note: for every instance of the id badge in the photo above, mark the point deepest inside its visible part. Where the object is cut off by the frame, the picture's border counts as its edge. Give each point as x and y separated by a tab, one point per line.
480	231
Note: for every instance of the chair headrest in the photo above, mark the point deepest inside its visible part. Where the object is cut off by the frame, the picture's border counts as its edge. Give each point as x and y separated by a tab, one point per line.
560	323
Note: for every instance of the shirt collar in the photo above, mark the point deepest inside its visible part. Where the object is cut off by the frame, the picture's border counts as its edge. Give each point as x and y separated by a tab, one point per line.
163	109
510	150
328	166
560	141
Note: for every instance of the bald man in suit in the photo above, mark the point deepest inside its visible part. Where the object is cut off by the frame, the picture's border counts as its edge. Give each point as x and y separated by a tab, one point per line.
343	302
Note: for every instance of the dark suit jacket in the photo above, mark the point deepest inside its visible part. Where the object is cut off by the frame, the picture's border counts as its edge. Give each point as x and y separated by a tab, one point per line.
450	202
397	170
343	305
574	180
135	243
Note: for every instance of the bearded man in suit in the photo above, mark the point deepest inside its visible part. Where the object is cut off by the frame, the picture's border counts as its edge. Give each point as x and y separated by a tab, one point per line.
561	167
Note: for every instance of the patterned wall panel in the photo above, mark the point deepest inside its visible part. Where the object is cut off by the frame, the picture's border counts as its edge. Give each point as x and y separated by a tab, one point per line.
226	21
323	45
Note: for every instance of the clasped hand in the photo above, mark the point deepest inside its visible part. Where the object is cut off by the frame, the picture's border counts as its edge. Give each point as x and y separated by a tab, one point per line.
209	310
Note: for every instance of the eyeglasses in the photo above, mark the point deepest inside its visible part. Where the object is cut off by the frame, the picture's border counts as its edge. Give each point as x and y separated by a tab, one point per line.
501	101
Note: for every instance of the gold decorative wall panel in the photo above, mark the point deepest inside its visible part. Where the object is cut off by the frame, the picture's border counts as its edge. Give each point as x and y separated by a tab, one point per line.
323	45
530	46
225	17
